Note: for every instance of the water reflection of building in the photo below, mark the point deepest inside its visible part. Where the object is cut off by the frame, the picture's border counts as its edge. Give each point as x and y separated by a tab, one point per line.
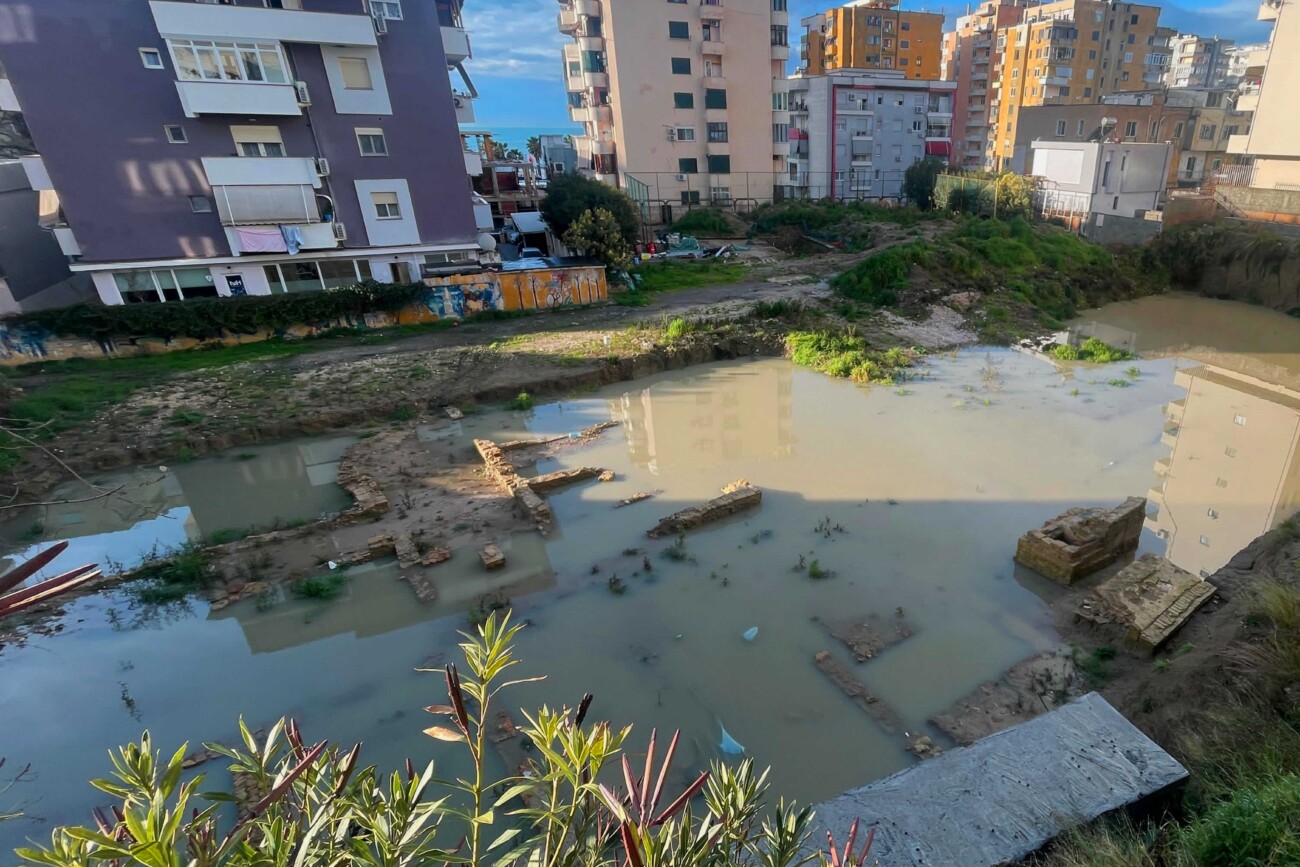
1234	472
723	416
373	601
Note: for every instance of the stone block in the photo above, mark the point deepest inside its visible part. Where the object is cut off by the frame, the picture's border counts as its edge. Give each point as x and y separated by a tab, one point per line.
493	558
436	556
737	497
553	481
405	549
1148	601
1077	543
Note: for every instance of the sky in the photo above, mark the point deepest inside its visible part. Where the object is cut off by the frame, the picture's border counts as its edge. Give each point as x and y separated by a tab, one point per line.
516	64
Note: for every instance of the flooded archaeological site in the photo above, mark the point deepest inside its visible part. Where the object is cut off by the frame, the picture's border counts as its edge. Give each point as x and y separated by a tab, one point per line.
822	632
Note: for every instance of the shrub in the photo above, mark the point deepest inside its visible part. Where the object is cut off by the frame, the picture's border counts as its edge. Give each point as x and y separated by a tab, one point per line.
570	195
1101	352
596	233
319	586
919	180
522	402
708	222
1257	825
846	356
877	279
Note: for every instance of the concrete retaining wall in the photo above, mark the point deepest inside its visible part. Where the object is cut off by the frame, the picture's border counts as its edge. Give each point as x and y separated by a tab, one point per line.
1114	229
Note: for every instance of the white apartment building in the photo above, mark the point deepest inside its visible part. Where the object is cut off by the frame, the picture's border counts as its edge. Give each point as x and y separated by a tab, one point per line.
682	103
1198	61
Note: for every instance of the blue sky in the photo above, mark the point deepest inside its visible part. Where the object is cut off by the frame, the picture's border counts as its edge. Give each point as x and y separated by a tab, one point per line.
516	64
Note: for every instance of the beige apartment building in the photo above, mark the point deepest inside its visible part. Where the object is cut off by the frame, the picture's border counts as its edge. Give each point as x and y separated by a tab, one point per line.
1272	145
682	103
1071	51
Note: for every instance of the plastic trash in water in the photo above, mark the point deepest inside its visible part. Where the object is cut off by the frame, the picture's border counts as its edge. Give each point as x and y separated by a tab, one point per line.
751	633
729	745
333	565
575	436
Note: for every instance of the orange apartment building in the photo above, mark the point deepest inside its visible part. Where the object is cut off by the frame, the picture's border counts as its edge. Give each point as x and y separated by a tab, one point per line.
1070	52
873	34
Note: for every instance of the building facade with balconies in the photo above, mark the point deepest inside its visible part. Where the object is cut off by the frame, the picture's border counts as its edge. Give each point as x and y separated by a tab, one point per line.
1198	61
856	133
681	103
201	148
872	34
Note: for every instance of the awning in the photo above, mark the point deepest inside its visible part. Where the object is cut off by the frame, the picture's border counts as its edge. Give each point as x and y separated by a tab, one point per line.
938	148
528	222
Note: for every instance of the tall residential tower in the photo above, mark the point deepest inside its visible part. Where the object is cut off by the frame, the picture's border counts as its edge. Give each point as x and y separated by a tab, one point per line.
681	102
872	34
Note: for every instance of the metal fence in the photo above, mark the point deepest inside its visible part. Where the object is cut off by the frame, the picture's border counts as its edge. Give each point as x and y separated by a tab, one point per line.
664	197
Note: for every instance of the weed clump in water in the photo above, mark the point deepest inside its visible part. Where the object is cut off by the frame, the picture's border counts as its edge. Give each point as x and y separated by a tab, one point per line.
847	356
522	402
319	586
169	576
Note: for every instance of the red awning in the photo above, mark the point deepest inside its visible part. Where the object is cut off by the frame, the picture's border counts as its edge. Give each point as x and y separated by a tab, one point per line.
938	148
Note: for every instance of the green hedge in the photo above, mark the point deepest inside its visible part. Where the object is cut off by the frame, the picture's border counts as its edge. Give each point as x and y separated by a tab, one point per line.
205	318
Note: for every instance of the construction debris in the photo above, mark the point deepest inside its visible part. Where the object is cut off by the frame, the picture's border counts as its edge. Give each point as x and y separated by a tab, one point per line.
736	497
1148	600
492	558
636	498
405	549
1081	541
551	481
436	556
424	588
856	690
866	637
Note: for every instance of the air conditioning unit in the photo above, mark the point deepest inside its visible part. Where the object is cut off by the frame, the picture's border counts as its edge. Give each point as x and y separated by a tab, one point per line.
920	109
340	231
672	134
322	167
381	24
300	89
681	177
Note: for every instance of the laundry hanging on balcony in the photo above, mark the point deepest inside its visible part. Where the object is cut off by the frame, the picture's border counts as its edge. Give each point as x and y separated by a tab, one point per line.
255	240
293	239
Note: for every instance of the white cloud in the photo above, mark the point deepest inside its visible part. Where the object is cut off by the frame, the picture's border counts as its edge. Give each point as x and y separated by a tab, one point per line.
514	39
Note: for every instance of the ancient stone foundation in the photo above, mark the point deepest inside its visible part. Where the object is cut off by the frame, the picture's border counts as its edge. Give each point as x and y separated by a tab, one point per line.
736	497
1148	601
1081	541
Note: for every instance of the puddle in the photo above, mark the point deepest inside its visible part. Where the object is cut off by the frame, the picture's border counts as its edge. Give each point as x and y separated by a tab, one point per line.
919	496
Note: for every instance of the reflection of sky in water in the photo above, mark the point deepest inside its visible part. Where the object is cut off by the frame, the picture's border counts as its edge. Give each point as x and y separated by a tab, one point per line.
127	546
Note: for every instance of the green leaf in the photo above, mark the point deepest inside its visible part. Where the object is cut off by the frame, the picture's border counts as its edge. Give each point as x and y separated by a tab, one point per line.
506	837
486	818
513	792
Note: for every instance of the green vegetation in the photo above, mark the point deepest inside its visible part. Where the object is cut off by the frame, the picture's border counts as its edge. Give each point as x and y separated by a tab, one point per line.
670	274
1118	382
320	586
403	413
877	279
919	180
847	356
169	576
843	224
705	222
569	196
229	534
323	807
596	233
1094	666
522	402
187	417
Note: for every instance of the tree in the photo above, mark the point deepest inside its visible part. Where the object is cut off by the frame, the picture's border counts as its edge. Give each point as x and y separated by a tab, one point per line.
315	804
596	234
1015	195
515	155
570	195
535	147
498	151
918	182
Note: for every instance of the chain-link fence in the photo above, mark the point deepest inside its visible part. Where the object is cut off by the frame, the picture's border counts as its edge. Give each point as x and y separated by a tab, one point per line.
664	197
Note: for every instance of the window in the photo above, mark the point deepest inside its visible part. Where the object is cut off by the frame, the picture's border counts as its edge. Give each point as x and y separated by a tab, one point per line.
257	141
390	9
717	132
1207	131
906	25
1178	130
780	35
780	132
719	164
1080	128
1096	36
1087	92
1092	55
778	5
1060	129
681	65
165	284
203	60
1205	540
1128	56
720	195
688	166
175	134
712	29
1212	513
356	73
1239	420
713	67
686	133
151	58
690	197
200	204
683	100
781	101
372	142
1131	129
1133	20
715	98
1230	452
903	44
386	206
679	30
308	276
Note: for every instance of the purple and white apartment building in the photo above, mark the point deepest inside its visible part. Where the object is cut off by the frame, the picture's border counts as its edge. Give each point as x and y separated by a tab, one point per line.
193	148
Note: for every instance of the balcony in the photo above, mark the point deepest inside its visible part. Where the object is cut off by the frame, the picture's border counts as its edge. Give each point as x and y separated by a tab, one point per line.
780	52
1054	80
455	44
315	236
716	45
1268	10
251	23
261	171
568	19
592	78
473	163
8	99
602	147
266	205
938	133
986	42
590	8
1248	100
780	148
464	107
979	76
237	97
1239	144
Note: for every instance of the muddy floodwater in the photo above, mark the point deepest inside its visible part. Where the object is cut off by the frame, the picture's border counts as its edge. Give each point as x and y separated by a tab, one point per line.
909	500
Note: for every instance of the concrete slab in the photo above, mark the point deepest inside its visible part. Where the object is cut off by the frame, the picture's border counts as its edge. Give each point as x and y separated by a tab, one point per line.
1005	796
1148	600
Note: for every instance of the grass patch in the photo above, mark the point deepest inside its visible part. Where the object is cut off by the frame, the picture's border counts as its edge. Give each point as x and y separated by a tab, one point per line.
169	576
847	356
319	586
706	222
671	274
877	279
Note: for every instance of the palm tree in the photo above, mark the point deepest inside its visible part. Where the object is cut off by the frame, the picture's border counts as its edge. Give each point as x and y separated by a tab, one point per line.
535	147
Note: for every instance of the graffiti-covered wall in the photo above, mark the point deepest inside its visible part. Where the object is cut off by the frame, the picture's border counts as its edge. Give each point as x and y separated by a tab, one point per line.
452	296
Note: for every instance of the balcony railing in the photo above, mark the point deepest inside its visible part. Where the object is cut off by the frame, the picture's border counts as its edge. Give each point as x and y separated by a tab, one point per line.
174	18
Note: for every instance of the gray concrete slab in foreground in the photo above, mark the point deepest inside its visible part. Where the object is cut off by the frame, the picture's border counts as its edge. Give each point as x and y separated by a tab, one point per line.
1006	795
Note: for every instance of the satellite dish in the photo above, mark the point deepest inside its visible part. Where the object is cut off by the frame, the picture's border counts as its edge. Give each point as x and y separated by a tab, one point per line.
487	243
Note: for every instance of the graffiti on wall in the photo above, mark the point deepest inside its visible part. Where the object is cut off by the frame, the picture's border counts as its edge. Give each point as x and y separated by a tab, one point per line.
25	342
461	295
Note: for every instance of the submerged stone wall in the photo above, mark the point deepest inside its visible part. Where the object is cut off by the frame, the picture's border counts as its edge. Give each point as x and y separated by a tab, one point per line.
1080	541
